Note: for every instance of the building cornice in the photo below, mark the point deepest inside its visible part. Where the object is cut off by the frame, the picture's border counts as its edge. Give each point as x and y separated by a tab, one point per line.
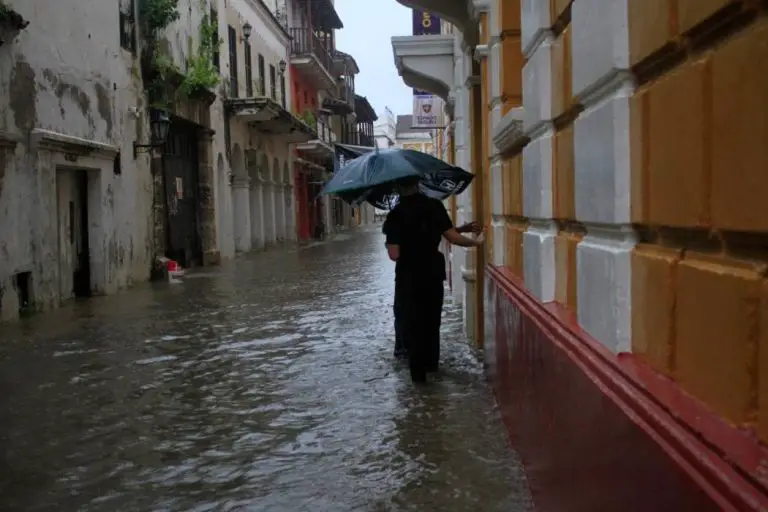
508	133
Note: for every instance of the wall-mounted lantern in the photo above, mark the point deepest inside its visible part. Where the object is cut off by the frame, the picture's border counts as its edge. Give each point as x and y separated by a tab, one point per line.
159	127
282	65
247	29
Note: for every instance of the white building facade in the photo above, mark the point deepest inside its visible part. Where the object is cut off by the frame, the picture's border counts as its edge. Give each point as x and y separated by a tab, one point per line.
259	126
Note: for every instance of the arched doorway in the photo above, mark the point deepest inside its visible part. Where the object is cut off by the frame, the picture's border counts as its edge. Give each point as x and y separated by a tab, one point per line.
241	201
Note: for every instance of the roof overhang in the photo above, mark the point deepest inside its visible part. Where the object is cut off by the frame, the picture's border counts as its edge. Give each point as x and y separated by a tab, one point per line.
426	62
461	13
267	116
364	110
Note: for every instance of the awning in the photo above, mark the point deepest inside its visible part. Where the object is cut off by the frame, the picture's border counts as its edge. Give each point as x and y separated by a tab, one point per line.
269	117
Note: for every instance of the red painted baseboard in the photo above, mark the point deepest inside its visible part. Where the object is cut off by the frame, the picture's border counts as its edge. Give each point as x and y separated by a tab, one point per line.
599	432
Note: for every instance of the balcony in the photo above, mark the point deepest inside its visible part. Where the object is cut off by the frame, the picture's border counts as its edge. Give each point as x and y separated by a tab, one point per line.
320	148
366	140
268	117
311	57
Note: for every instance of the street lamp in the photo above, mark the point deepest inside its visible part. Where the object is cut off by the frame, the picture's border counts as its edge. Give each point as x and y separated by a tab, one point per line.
282	65
247	28
159	127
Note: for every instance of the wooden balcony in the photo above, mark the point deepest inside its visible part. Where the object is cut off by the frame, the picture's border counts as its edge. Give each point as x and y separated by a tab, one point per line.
311	56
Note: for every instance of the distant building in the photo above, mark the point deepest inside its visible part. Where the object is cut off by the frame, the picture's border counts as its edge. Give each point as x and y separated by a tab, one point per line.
385	129
419	139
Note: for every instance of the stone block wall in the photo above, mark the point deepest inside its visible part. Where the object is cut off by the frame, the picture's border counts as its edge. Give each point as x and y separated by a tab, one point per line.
699	173
634	191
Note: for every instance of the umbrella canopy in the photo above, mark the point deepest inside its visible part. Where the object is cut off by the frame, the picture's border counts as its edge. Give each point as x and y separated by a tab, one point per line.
372	176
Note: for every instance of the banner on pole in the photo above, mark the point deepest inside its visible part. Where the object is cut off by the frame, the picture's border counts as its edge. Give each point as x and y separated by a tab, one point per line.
427	111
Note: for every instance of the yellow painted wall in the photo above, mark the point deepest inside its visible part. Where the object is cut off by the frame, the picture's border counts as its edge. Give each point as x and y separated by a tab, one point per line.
699	144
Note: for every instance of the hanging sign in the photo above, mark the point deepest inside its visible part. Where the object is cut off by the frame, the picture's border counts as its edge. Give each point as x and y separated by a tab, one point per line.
425	23
427	111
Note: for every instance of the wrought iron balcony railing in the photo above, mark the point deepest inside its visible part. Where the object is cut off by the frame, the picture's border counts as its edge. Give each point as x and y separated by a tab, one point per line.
304	42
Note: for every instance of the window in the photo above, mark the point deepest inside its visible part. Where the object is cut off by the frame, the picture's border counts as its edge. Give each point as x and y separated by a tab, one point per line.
282	91
233	86
128	25
215	43
248	71
272	82
262	77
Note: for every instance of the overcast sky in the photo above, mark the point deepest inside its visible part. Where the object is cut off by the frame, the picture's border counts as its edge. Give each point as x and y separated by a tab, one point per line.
368	27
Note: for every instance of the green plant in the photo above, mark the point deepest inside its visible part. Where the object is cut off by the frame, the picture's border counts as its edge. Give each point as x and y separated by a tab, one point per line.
154	17
9	16
201	74
309	118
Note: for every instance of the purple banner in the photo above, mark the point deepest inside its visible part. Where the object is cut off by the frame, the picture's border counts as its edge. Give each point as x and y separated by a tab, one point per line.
425	23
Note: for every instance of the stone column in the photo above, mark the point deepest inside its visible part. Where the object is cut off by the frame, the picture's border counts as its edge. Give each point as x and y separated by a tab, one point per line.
158	206
279	212
242	213
207	199
257	217
269	212
290	219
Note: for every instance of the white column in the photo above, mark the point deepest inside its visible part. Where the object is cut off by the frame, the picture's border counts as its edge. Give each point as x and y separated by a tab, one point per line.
603	84
242	218
269	213
257	219
279	212
290	220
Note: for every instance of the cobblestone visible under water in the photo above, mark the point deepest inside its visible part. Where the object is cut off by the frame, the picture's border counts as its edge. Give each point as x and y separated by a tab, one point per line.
265	385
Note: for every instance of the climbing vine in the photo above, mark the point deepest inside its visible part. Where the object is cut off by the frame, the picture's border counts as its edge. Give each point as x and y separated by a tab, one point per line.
10	17
154	17
163	77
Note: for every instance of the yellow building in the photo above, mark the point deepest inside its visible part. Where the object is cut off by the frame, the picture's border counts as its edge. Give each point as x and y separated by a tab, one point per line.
622	300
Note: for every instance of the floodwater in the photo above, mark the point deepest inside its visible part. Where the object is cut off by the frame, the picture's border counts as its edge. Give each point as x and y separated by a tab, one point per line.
268	384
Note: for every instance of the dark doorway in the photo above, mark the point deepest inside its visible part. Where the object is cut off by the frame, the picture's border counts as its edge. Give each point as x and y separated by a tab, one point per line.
180	181
78	210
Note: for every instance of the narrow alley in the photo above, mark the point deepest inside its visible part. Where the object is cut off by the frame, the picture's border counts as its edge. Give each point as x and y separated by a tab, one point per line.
268	384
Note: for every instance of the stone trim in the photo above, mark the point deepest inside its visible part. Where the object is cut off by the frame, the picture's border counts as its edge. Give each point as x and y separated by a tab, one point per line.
60	142
8	141
481	52
409	54
478	7
509	131
614	81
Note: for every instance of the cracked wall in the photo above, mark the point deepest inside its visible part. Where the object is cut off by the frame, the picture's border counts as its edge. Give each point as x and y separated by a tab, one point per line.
67	75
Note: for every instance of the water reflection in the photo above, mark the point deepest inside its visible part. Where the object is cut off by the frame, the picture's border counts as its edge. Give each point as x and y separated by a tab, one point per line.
267	384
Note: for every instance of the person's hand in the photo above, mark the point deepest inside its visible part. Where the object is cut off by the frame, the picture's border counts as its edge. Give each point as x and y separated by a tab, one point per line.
480	240
471	227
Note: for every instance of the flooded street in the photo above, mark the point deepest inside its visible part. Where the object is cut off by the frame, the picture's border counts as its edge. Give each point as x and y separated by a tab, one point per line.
267	384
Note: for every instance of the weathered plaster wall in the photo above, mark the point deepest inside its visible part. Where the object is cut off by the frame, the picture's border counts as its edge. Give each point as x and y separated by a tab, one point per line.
265	189
180	41
66	73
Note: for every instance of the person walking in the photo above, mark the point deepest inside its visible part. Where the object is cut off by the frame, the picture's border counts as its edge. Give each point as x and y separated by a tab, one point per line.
413	231
400	351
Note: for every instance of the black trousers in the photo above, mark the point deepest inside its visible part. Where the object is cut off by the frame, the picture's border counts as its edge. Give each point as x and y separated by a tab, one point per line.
418	311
